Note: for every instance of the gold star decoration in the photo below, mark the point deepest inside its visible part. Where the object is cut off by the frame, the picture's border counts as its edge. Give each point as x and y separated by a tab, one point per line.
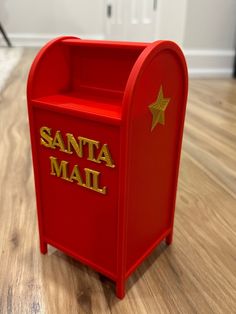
158	109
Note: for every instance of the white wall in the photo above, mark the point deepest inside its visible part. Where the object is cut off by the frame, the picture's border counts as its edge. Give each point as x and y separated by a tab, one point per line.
210	37
33	21
210	24
206	29
171	20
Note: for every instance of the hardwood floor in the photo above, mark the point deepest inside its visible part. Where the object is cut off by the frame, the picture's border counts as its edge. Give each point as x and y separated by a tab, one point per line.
196	274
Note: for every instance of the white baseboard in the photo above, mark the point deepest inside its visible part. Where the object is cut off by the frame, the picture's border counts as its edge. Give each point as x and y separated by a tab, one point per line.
210	73
201	63
210	63
38	40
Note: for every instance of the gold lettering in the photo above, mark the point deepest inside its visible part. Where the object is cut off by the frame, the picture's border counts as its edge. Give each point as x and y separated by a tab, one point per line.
76	145
58	142
75	175
71	141
105	155
91	181
46	139
59	170
91	145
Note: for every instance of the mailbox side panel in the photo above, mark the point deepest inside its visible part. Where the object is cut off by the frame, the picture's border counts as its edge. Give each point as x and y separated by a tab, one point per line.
155	139
79	221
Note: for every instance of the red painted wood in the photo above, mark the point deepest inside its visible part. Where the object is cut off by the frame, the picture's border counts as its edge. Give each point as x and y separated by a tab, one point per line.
102	90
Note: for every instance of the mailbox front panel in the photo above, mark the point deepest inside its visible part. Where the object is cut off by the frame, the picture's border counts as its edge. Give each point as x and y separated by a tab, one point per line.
78	186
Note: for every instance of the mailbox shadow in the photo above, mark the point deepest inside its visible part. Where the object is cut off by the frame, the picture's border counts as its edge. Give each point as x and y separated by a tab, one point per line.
109	286
146	264
89	281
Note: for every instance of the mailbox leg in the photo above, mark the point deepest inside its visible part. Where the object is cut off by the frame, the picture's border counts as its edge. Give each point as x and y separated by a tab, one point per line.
43	247
120	289
169	238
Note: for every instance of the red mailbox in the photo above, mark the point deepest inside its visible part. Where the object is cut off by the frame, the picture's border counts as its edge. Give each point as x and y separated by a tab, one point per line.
106	123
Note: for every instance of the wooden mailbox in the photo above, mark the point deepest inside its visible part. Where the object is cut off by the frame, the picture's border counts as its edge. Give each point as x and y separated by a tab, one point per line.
106	123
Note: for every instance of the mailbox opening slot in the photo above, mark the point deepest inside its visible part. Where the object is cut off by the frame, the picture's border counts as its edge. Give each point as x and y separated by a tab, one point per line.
83	74
101	72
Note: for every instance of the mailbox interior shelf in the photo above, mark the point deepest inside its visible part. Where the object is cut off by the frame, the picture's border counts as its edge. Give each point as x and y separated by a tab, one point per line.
84	77
87	106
